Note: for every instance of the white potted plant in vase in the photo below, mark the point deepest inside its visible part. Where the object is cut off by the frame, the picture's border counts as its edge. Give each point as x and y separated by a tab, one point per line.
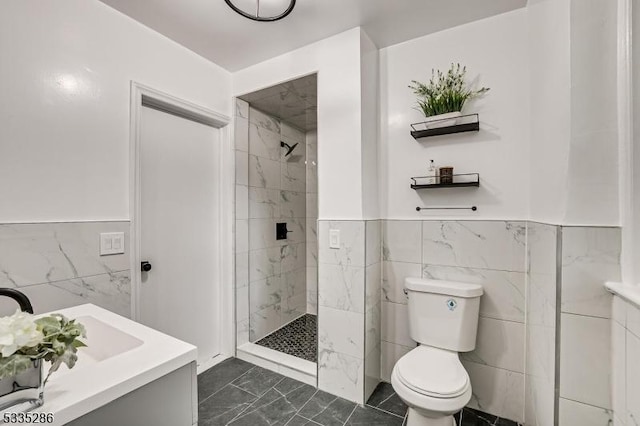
443	98
26	342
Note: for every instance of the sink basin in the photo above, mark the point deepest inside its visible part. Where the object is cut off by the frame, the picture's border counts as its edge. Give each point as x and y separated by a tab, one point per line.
122	357
104	341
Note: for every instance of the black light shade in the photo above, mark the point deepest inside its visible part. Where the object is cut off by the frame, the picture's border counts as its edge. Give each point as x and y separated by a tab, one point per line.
264	14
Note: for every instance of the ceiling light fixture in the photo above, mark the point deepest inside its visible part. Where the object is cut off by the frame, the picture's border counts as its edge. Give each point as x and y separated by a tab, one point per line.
265	10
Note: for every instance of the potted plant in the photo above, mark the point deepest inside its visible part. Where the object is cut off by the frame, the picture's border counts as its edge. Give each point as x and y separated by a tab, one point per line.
25	344
443	98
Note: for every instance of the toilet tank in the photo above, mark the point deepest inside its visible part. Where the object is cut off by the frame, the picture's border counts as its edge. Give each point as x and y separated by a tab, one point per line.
443	314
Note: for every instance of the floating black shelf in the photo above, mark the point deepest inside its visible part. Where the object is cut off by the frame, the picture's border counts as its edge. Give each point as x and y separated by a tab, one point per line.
461	180
446	126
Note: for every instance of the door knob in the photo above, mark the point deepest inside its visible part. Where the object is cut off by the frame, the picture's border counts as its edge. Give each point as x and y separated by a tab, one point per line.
145	266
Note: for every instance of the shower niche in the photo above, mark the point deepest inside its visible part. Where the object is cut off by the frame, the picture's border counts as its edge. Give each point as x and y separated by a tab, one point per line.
276	216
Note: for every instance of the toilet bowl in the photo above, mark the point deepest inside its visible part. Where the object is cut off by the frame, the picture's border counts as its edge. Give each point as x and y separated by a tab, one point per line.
434	385
430	379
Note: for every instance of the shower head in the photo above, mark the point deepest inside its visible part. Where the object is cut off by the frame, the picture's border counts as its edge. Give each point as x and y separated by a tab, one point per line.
289	147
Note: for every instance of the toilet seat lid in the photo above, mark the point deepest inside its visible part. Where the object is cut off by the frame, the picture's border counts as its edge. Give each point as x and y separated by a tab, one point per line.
433	372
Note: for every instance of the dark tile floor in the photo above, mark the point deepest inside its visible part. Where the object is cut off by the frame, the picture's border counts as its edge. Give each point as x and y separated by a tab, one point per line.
298	338
238	393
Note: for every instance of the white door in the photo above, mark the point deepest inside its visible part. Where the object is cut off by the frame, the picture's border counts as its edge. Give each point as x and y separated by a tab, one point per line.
179	202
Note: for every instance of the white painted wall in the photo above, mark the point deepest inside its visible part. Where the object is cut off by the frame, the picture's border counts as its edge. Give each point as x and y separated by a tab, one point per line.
494	50
337	62
369	65
64	109
631	234
592	190
574	136
550	86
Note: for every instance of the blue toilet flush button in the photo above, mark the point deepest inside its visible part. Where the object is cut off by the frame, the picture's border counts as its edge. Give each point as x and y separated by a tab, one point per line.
452	304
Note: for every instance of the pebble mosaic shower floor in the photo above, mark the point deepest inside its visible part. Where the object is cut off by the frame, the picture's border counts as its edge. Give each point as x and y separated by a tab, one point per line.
298	338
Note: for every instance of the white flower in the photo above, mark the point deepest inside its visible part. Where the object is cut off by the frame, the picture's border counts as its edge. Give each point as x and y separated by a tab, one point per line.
18	331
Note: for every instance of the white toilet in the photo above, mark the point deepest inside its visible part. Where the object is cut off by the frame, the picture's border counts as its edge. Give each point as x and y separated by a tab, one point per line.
443	319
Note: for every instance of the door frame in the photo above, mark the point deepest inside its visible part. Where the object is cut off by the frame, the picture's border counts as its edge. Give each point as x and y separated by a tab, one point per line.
142	95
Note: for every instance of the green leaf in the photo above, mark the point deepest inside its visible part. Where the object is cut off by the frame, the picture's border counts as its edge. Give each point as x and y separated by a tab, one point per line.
13	365
445	92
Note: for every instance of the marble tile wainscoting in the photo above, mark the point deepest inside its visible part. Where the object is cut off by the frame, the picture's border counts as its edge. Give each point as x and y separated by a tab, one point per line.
373	306
542	309
590	257
491	253
341	310
58	265
625	359
544	317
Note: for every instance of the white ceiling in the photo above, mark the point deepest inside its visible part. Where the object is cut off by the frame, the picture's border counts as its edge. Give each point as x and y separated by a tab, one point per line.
211	29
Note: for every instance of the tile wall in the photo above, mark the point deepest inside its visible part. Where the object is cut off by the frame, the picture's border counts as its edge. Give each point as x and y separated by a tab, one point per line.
373	306
241	230
590	257
540	356
57	265
524	366
275	188
341	309
312	221
491	253
625	359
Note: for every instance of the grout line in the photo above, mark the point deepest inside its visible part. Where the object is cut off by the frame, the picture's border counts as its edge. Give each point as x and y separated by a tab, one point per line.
310	398
584	315
491	366
385	400
385	411
558	325
352	411
246	410
585	403
232	380
311	420
244	390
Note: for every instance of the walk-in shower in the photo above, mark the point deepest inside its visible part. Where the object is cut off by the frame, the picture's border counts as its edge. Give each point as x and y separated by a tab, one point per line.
276	216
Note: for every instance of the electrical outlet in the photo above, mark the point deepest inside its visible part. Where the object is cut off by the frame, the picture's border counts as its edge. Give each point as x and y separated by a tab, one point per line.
334	238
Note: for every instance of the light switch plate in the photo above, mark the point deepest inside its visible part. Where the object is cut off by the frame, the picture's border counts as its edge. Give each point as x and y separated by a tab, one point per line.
334	238
111	243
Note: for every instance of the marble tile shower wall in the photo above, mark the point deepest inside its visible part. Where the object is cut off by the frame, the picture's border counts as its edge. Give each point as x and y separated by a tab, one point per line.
241	225
590	256
312	222
57	265
491	253
276	192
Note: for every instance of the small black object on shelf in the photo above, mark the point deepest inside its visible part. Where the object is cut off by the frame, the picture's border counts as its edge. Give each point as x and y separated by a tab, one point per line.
446	126
472	208
460	180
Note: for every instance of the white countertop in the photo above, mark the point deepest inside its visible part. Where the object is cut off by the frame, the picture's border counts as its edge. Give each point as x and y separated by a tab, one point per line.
103	373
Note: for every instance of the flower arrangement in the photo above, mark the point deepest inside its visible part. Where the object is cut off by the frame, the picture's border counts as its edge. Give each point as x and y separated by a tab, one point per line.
24	339
445	92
